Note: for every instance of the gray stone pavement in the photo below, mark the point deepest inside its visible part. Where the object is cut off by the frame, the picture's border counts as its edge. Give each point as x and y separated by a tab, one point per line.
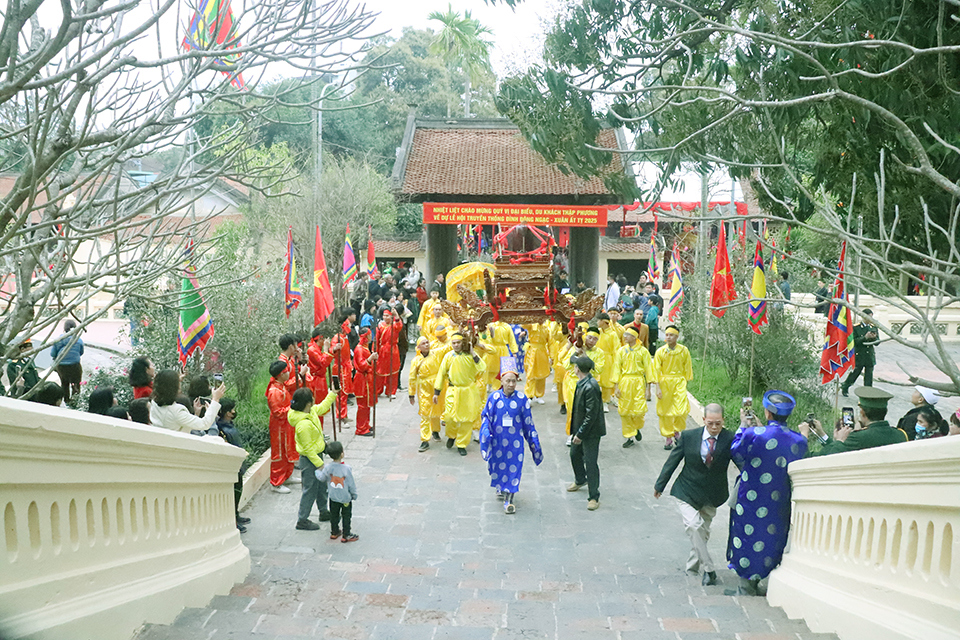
889	355
438	558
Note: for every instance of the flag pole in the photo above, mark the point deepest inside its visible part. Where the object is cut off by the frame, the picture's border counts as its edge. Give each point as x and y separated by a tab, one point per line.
753	342
376	395
333	414
706	338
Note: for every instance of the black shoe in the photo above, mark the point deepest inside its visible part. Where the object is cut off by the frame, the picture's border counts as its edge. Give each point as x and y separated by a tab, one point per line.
638	437
423	446
709	578
629	443
242	520
462	451
844	393
307	525
436	436
241	528
368	434
325	516
450	443
563	409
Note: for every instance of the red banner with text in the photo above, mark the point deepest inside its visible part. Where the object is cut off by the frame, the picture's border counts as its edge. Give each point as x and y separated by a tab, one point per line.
511	214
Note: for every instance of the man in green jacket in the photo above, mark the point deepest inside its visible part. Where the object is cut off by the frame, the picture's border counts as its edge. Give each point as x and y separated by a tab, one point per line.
865	338
875	431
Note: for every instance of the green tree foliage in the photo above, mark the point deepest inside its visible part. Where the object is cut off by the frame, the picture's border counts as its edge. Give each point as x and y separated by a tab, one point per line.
462	45
813	91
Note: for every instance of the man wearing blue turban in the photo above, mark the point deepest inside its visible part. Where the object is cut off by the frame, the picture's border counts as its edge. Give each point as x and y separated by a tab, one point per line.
761	518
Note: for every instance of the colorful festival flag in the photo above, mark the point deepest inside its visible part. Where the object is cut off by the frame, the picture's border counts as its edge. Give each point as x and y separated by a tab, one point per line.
212	27
322	293
838	348
653	265
196	327
371	256
757	306
291	289
676	286
349	261
722	291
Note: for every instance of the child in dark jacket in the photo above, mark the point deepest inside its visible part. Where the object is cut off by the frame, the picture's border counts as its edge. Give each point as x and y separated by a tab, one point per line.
341	490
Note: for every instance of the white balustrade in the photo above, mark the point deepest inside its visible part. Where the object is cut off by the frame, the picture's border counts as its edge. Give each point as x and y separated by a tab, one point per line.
875	543
108	524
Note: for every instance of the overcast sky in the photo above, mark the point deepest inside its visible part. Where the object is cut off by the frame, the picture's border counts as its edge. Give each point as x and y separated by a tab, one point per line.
518	35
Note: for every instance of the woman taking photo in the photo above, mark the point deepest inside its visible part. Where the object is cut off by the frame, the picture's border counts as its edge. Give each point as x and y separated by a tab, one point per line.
167	413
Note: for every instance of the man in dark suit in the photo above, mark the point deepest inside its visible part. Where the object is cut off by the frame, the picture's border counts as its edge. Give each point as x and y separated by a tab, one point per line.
587	427
701	486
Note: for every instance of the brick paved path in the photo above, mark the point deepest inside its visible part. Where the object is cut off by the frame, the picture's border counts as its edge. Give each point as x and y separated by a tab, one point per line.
438	558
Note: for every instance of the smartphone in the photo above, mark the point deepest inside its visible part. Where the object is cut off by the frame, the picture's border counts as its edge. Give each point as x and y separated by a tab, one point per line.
218	378
810	418
335	381
747	402
848	416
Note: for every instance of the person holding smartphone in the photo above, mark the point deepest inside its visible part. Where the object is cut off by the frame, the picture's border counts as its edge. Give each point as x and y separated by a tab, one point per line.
875	431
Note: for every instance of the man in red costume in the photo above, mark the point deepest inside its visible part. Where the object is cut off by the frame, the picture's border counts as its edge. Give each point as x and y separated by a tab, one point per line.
283	445
388	364
319	362
343	366
364	362
290	356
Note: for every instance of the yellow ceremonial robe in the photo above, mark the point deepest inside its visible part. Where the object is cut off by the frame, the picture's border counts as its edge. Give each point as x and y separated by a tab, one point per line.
460	371
609	342
426	311
672	369
423	373
560	369
632	371
503	340
569	382
430	327
536	362
601	372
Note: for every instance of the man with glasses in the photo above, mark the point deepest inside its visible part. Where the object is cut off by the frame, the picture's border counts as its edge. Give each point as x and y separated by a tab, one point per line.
701	486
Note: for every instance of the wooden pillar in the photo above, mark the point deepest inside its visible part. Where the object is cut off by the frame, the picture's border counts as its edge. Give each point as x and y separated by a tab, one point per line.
585	257
441	250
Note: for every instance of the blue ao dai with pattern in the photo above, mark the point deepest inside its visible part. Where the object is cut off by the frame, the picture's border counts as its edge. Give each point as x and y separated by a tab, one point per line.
506	423
760	521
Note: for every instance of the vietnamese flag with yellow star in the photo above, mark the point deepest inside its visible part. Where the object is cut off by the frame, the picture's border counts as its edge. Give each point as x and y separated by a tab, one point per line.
722	291
322	293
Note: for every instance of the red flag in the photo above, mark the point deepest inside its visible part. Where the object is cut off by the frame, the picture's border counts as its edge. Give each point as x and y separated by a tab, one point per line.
322	293
838	353
722	292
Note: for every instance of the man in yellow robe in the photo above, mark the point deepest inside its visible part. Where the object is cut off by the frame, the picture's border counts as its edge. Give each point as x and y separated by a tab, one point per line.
536	362
633	372
423	373
459	370
560	371
426	311
440	342
602	366
672	369
609	343
615	323
505	343
437	318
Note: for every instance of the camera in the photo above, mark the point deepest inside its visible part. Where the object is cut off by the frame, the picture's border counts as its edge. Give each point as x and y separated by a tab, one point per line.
335	382
810	419
747	402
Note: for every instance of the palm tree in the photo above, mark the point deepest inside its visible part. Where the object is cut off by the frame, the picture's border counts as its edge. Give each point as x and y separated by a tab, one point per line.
461	45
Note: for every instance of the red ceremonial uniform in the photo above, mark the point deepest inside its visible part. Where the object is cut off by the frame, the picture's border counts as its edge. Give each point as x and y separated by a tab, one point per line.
363	385
388	356
293	381
342	367
143	392
283	445
319	362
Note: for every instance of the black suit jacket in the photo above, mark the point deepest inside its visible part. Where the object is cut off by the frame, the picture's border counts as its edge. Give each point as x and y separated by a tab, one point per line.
587	421
698	485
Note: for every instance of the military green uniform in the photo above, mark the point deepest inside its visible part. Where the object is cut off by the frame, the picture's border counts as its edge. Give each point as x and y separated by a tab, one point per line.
876	435
26	371
865	356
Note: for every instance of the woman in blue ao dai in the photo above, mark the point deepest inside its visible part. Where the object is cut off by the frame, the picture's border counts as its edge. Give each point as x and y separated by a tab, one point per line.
760	521
506	423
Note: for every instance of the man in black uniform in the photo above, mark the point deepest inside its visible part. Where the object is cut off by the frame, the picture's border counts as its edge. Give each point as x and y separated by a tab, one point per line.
864	340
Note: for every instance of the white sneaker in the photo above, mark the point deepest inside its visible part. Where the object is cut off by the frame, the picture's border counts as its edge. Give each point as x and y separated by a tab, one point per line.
569	441
293	480
539	400
476	436
606	409
280	489
553	389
